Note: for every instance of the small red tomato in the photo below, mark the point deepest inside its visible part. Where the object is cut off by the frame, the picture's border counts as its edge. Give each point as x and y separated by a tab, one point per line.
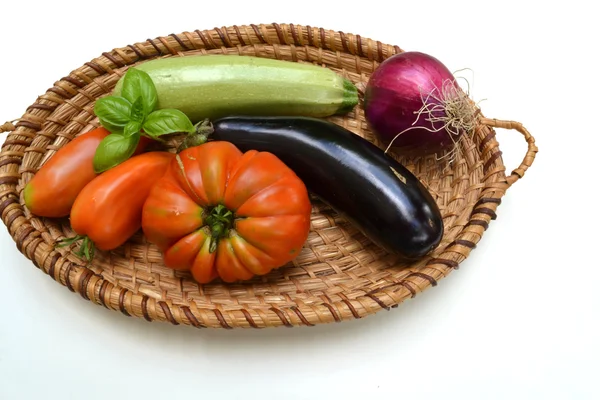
53	189
108	211
221	213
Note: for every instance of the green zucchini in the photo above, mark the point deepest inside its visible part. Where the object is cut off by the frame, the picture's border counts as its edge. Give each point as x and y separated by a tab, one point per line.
213	86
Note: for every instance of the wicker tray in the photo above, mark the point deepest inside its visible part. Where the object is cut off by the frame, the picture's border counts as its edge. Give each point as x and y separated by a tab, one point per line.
339	274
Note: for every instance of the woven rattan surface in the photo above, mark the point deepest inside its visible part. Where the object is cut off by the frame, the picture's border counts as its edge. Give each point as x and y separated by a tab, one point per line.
339	274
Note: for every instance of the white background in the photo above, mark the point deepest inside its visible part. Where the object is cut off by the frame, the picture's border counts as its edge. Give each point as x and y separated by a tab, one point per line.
518	320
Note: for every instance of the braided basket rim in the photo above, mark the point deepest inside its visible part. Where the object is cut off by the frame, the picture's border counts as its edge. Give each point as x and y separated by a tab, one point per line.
56	117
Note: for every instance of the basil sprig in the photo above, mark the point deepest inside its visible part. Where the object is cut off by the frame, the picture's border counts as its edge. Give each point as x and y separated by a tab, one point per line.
131	115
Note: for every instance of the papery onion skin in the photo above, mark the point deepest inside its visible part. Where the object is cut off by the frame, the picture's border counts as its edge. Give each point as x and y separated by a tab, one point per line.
395	93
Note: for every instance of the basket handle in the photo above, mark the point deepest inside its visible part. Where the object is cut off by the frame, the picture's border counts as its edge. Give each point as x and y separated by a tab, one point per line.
532	149
7	126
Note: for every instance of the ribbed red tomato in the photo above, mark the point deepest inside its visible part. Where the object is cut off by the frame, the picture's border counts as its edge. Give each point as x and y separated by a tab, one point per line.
221	213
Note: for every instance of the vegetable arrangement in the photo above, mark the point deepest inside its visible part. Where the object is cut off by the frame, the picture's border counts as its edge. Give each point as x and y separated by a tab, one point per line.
233	202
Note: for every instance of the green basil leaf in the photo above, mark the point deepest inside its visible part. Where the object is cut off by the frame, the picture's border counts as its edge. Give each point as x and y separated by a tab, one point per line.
113	112
137	111
132	128
162	122
113	150
136	84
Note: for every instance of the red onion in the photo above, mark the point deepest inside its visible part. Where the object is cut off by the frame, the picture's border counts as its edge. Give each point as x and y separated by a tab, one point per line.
413	101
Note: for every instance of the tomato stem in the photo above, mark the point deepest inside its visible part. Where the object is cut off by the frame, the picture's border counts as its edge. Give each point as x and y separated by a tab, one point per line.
219	220
86	249
202	130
